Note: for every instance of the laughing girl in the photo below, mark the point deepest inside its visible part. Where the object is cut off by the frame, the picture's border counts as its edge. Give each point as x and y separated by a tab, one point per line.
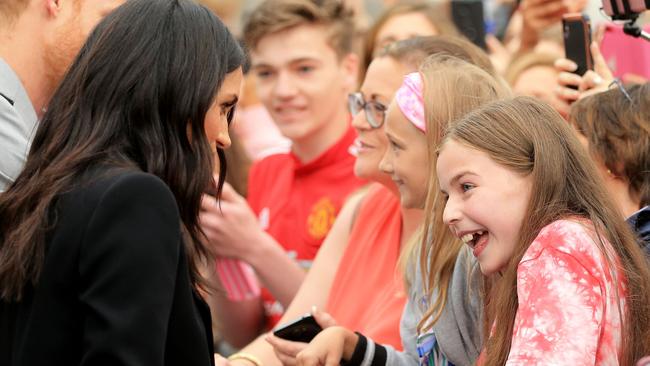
569	284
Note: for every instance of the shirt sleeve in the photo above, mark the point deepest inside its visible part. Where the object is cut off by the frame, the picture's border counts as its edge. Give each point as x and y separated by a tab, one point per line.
128	266
560	312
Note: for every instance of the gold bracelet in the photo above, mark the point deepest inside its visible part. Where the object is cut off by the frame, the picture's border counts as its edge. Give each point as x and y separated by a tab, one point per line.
245	356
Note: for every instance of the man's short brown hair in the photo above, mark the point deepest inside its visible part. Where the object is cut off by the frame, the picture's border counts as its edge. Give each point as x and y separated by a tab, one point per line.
276	15
11	9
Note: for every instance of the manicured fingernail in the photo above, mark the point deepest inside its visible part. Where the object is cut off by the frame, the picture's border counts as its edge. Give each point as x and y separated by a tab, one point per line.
313	309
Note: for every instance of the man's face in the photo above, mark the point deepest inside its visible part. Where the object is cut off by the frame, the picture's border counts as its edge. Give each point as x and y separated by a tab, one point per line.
302	82
74	22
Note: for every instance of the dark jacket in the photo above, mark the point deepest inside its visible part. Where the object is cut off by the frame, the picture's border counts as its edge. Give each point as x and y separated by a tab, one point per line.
640	223
115	287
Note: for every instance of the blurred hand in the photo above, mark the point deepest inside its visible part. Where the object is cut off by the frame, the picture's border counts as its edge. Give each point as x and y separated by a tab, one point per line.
230	225
540	14
499	54
220	360
329	347
592	82
286	351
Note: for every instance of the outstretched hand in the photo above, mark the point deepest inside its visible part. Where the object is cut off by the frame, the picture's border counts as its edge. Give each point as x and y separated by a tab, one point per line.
592	82
286	351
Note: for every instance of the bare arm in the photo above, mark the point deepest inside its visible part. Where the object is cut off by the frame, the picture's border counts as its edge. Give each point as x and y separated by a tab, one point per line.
315	289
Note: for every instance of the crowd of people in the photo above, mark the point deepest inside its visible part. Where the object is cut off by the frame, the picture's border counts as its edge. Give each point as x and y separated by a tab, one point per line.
174	187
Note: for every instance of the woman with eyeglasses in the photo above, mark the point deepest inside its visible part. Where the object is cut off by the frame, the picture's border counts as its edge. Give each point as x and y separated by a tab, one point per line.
99	237
366	293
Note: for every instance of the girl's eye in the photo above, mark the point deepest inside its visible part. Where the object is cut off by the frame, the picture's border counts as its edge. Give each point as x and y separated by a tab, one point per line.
466	186
393	145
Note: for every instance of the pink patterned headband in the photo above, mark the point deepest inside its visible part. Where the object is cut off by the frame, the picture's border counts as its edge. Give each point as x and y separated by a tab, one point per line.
410	101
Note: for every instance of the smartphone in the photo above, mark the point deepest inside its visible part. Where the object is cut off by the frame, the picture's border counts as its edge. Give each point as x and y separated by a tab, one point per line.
577	38
624	9
303	329
468	17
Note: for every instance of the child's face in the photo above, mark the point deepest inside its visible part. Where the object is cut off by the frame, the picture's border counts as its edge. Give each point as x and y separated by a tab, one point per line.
302	82
486	203
406	159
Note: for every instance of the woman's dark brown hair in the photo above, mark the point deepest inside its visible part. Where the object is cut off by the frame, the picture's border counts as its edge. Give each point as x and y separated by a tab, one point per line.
136	96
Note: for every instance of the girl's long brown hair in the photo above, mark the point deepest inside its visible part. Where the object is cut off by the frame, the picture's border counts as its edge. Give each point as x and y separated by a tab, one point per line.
139	88
530	138
452	88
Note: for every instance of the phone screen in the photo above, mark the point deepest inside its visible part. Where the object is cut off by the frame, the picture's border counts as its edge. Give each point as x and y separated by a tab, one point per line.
303	329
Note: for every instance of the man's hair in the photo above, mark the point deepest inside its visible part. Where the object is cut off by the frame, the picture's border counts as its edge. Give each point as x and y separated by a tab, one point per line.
10	10
277	15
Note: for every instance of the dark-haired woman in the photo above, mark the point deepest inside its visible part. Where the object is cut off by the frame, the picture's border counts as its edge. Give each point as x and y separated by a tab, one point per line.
99	235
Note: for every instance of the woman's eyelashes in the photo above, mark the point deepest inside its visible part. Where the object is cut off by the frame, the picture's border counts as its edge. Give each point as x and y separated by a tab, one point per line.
466	187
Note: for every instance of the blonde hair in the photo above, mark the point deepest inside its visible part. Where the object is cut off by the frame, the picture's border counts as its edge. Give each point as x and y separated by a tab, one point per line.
452	88
439	15
530	138
277	15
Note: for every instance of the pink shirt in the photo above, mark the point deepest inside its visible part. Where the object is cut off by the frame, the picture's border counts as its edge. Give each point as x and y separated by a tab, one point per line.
570	300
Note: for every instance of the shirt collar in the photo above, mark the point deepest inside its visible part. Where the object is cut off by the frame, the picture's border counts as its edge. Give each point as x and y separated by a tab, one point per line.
336	153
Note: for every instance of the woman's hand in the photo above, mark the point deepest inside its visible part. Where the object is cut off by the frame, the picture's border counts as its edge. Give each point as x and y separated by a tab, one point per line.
286	351
329	347
592	82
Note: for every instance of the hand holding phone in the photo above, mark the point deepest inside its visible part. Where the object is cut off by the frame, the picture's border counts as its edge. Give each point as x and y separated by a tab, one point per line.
577	39
303	329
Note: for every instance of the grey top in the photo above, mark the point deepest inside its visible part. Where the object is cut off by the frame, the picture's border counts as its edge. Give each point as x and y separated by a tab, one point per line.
17	125
458	330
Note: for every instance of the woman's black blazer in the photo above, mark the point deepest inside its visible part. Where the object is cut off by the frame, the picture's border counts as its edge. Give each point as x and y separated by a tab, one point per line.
115	287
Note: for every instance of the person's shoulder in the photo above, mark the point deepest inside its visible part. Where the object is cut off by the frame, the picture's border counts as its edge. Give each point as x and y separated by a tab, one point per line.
122	189
570	236
271	164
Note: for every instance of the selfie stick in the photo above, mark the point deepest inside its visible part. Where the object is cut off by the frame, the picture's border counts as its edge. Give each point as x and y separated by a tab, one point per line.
631	29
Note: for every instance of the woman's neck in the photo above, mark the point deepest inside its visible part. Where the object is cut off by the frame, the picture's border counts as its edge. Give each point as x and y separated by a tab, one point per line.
411	220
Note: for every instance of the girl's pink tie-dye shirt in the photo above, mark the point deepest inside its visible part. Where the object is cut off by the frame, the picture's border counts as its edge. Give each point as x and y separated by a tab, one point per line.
570	300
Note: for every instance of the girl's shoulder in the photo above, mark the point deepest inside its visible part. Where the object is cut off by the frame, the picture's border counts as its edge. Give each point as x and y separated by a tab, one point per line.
574	236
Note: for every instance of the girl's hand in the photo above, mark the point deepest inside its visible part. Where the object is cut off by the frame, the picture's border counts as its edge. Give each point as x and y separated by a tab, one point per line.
329	347
592	82
286	351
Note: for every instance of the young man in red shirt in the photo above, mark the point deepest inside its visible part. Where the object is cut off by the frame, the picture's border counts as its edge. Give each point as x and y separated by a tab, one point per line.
301	52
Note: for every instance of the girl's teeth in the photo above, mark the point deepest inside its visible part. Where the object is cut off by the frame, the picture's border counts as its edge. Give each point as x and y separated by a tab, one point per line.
467	238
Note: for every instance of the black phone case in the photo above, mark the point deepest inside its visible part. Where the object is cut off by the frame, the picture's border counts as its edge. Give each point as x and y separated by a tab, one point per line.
577	38
468	17
302	330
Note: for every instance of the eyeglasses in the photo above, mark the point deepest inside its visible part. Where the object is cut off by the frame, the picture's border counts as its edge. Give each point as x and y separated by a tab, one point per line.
375	111
620	86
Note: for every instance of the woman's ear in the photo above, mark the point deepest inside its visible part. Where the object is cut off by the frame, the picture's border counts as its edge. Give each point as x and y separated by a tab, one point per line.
350	66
